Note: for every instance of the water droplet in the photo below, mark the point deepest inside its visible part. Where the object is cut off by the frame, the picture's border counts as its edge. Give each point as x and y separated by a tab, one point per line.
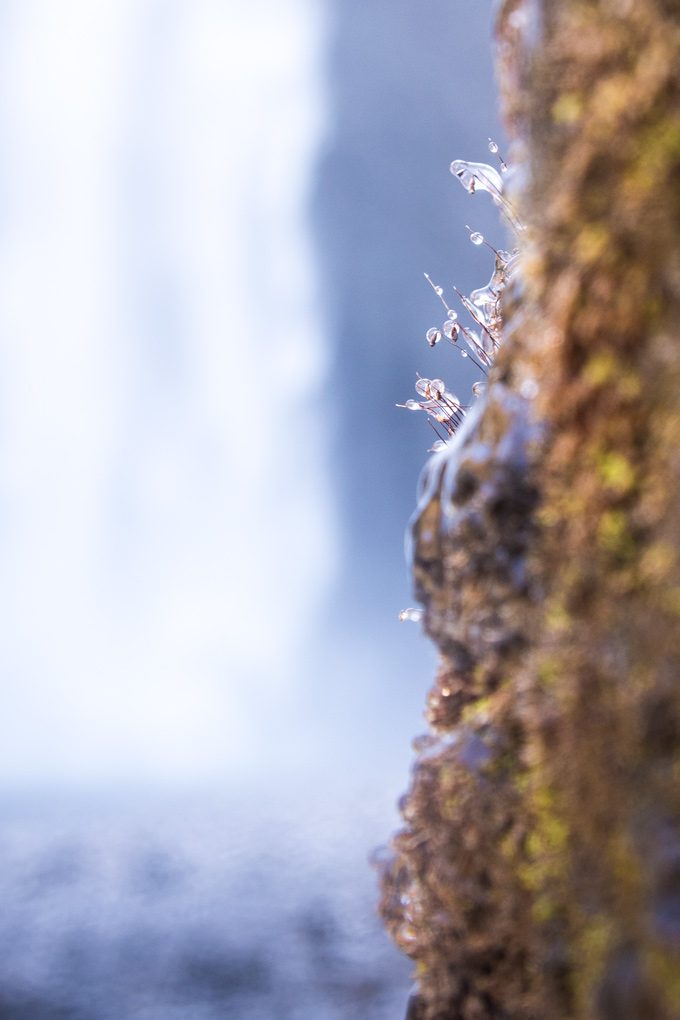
411	405
433	336
438	446
479	389
437	388
463	354
438	291
452	314
423	387
493	147
476	237
451	330
411	615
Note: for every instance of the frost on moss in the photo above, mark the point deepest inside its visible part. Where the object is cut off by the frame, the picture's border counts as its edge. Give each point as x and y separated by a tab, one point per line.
537	873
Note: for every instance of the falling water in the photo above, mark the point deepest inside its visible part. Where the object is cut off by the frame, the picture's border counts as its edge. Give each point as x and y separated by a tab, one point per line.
162	359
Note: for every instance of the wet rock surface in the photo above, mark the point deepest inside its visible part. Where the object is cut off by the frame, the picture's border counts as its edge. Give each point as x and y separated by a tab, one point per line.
470	538
536	873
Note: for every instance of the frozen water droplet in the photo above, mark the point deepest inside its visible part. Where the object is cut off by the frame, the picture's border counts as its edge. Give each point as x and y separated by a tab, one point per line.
479	389
452	314
438	446
493	147
412	405
463	354
423	387
451	330
486	344
433	336
484	298
476	237
437	388
438	291
482	177
477	177
411	615
472	340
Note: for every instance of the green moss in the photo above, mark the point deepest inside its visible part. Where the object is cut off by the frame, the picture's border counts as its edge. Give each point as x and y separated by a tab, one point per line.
613	534
543	868
664	969
657	562
550	668
617	473
670	600
568	108
600	368
591	243
658	153
629	385
594	943
558	620
479	708
545	908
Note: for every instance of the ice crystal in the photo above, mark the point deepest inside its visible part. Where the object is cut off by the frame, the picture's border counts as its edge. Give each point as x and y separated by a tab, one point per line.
482	177
483	306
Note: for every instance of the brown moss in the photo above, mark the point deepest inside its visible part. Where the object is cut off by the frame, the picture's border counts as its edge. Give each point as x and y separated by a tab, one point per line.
538	870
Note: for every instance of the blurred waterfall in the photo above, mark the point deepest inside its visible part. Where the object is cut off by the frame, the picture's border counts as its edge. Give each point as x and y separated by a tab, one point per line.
166	530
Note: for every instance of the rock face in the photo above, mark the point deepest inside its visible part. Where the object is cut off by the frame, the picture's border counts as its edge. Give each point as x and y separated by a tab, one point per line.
537	874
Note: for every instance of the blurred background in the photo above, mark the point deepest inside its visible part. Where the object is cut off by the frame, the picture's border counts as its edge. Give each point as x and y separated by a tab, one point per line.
214	222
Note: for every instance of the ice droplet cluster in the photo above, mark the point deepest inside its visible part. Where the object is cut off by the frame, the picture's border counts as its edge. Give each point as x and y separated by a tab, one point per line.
479	340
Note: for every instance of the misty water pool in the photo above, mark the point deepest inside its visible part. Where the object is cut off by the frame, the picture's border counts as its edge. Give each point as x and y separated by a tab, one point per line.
254	907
